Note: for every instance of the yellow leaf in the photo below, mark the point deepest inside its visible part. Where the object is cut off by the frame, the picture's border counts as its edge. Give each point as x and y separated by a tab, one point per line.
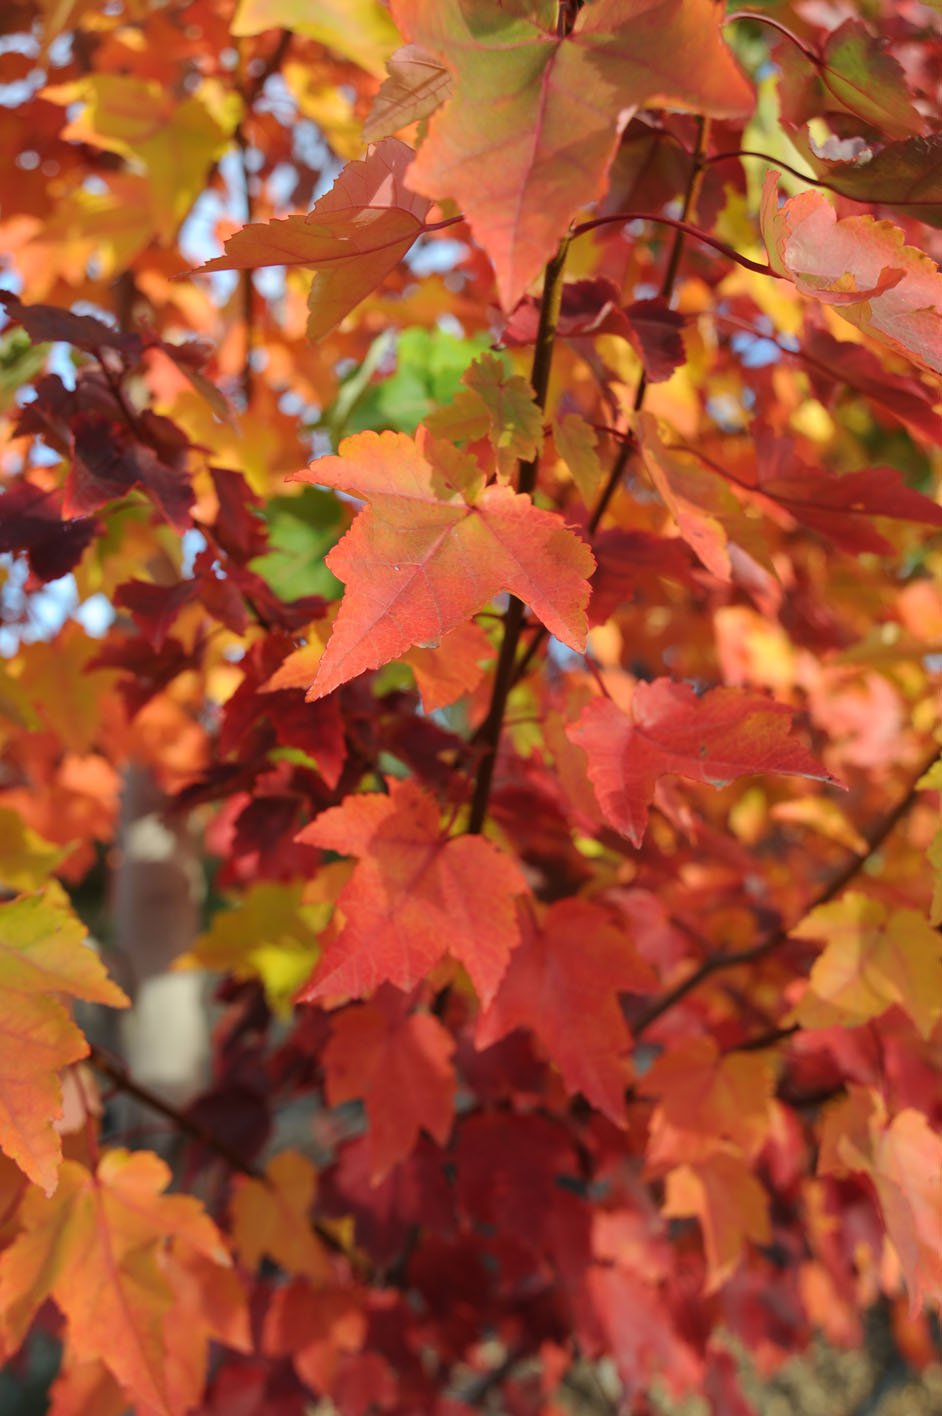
873	958
360	30
731	1205
272	1217
26	860
175	143
270	935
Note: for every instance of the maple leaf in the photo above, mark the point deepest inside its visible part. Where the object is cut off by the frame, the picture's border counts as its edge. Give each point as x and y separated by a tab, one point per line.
107	463
861	267
494	403
576	444
413	896
109	1249
270	934
27	861
907	1166
453	668
564	104
669	731
707	514
903	1158
874	958
353	236
433	548
42	955
835	506
272	1217
49	323
399	1063
357	29
707	1100
563	984
416	85
855	74
903	175
176	140
314	1327
839	363
33	522
731	1205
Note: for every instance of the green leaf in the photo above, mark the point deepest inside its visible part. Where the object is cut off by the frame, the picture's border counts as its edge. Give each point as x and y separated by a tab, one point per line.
429	366
301	530
20	360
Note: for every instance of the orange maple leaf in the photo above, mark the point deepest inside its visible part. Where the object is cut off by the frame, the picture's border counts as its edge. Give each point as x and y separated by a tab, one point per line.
353	236
860	266
119	1258
433	547
273	1217
42	955
562	103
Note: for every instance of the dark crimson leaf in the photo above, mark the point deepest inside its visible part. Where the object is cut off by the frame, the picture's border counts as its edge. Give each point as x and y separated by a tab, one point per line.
239	528
48	324
108	463
31	521
655	333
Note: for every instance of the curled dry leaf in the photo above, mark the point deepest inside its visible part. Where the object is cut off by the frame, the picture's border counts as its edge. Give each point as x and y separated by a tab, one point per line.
860	266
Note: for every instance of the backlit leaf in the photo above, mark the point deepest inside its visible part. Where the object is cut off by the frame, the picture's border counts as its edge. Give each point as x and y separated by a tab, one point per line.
42	955
399	1063
669	731
874	958
723	1194
414	895
270	934
861	267
272	1217
563	103
353	236
356	29
416	85
433	548
563	984
108	1249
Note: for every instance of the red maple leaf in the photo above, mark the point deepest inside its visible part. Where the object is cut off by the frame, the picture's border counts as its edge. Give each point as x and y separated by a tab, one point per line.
563	984
414	896
669	731
400	1064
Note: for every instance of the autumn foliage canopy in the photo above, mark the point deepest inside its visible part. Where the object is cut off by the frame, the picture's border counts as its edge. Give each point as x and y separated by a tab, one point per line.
480	459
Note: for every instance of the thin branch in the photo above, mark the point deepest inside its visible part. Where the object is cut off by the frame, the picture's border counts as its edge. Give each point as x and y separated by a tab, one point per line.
185	1124
504	677
181	1121
809	54
668	281
621	218
777	937
901	203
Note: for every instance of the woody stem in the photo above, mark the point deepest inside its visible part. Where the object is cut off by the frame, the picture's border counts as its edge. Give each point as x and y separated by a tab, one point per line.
504	676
